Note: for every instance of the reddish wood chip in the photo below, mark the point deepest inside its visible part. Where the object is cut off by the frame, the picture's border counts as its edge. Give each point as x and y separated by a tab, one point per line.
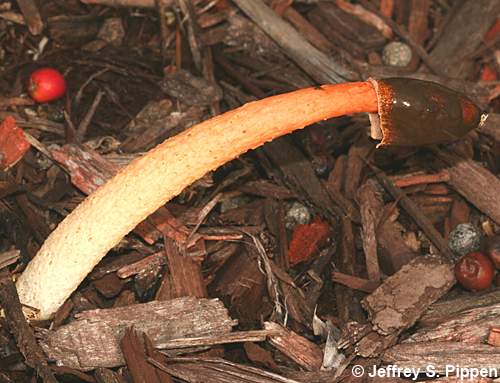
306	239
492	34
13	143
488	73
494	336
135	356
259	355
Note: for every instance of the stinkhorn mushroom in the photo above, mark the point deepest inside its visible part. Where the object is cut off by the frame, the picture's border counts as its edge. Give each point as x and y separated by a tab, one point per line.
403	112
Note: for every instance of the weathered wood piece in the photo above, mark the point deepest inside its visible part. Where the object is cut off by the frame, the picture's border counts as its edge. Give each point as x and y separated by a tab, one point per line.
355	283
14	144
299	175
403	297
234	72
23	333
88	170
474	182
188	89
351	27
128	3
348	307
394	252
184	277
335	186
192	31
446	308
157	121
420	179
135	355
370	216
9	257
468	326
443	354
104	375
71	29
217	370
266	188
308	30
123	262
92	340
366	16
299	349
72	374
233	337
133	268
494	336
415	212
321	376
491	127
259	355
31	15
109	285
315	63
405	36
355	165
242	283
418	24
373	344
299	303
462	36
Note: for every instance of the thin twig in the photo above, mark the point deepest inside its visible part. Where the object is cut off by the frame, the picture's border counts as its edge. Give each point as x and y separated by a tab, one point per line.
81	131
161	8
192	31
91	78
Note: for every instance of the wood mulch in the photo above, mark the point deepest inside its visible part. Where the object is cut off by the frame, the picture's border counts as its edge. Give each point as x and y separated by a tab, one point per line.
310	259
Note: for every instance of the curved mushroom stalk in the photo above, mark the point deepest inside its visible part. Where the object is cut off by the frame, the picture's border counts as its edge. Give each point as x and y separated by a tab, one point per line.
84	237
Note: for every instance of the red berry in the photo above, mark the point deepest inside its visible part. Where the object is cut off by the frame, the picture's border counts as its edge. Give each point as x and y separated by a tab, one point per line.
46	84
475	271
